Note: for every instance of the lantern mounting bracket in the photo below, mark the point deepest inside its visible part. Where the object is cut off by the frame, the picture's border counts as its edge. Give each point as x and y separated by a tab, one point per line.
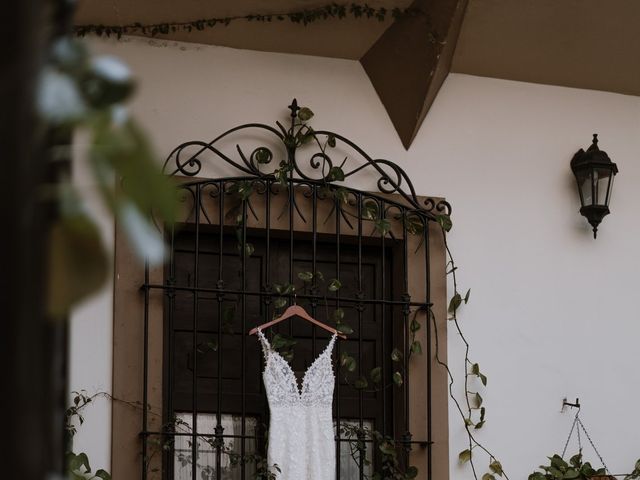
565	403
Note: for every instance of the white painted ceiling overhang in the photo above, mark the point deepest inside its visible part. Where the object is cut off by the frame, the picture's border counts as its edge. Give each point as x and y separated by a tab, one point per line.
591	44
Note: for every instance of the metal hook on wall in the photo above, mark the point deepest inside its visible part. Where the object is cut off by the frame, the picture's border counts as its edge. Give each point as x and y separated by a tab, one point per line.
565	403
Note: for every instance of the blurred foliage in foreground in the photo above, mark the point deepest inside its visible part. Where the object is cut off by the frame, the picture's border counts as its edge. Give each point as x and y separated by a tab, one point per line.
78	92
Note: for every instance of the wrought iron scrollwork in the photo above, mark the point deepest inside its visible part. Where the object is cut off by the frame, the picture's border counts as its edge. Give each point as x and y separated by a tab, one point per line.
283	164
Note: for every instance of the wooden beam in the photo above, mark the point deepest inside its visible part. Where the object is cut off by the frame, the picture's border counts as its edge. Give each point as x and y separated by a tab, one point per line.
411	60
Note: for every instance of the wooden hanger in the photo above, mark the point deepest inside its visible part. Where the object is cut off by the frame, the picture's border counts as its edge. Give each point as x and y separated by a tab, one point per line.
296	310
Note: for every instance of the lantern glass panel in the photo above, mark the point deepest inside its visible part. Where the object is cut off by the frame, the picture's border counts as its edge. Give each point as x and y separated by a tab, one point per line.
610	189
585	184
602	177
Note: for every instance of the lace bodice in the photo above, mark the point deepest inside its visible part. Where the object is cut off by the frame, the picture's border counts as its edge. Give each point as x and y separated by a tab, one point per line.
301	439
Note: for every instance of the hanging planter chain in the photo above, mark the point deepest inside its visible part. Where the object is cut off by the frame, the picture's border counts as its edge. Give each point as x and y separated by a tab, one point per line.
577	422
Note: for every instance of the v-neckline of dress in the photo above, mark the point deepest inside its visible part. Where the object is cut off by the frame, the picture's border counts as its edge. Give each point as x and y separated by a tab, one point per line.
299	387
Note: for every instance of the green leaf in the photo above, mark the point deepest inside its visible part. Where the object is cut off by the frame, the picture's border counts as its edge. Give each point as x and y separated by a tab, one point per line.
263	155
488	476
348	362
382	225
496	467
466	297
306	277
376	375
445	222
279	302
479	425
483	379
305	114
576	460
414	224
397	378
103	474
455	302
281	341
361	383
558	462
244	190
414	325
344	328
331	141
387	448
305	135
338	315
335	174
341	194
369	210
125	151
464	456
412	472
477	400
81	461
536	476
396	355
334	285
416	347
78	263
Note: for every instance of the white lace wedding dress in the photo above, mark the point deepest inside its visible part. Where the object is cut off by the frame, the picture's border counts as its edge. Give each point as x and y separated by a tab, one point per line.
301	439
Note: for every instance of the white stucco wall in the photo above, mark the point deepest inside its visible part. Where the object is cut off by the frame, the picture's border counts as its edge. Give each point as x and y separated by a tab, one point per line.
553	313
91	333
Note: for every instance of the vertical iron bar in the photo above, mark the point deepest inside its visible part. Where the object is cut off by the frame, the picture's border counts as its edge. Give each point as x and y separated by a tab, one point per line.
194	348
243	313
383	307
268	280
360	332
219	430
169	416
291	209
268	237
145	374
339	443
314	259
429	359
267	255
406	341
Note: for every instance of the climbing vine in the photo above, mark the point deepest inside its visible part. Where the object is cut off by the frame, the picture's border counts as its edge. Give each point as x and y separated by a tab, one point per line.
78	466
472	411
305	17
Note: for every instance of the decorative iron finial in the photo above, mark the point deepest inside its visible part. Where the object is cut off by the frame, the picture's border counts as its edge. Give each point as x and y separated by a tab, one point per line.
594	143
294	108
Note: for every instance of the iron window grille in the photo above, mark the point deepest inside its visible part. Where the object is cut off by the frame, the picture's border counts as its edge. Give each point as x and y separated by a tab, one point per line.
293	219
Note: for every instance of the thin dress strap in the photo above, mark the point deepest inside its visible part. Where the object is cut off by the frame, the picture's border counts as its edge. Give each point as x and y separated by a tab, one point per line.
266	346
329	348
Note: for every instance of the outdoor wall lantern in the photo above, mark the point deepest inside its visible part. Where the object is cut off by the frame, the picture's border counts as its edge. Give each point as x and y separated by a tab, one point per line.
594	172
